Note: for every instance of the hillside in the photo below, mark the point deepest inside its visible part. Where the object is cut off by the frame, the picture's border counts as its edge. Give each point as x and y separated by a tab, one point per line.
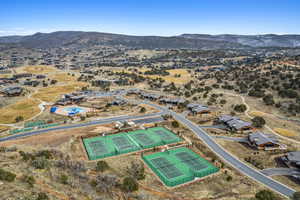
190	41
269	40
88	39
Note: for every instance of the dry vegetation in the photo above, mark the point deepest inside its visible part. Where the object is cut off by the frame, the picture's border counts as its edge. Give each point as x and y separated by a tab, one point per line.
25	108
36	69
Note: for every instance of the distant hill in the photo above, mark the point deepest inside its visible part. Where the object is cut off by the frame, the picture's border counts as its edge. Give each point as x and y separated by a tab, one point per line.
86	39
269	40
78	39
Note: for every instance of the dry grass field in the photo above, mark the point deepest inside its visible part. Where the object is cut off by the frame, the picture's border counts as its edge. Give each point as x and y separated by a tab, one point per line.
36	69
285	132
53	93
25	108
63	77
185	76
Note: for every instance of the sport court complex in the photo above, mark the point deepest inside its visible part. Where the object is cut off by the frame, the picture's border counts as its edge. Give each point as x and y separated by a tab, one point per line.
121	143
179	166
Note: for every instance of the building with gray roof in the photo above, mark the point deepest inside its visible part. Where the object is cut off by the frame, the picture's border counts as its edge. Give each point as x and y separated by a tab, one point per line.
264	141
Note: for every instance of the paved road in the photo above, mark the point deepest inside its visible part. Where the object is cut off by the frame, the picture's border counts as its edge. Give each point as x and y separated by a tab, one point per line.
97	122
280	172
205	137
229	158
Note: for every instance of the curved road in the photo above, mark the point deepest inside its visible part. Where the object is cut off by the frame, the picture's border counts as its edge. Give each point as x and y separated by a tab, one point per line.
202	135
229	158
97	122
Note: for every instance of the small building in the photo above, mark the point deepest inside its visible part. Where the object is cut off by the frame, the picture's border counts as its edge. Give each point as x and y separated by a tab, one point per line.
23	75
234	123
173	101
150	96
33	83
292	159
264	141
12	91
134	91
40	76
198	108
118	102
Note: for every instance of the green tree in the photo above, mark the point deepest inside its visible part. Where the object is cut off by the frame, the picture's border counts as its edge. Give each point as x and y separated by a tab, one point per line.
102	166
130	184
240	108
258	122
175	124
142	110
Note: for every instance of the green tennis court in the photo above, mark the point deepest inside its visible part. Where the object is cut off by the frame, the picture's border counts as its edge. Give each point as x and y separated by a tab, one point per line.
106	146
179	166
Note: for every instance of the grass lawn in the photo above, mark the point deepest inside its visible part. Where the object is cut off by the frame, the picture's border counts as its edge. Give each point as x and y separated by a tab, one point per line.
26	108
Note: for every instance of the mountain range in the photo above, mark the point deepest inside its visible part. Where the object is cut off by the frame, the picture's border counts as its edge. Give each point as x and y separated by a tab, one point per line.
78	39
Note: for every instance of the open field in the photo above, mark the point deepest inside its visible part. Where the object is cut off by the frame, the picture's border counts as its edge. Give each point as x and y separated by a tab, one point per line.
36	69
285	132
185	76
63	77
25	108
53	93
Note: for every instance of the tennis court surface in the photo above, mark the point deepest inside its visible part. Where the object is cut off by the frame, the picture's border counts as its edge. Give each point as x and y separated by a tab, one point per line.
178	166
116	144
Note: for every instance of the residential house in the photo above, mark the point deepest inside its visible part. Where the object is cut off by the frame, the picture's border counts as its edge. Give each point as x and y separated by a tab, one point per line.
12	91
234	123
292	159
264	141
198	108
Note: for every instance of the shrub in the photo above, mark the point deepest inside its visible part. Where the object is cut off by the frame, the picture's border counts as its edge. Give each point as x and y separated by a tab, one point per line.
63	179
40	163
7	176
265	195
136	170
240	108
296	196
130	184
29	179
42	196
102	166
19	119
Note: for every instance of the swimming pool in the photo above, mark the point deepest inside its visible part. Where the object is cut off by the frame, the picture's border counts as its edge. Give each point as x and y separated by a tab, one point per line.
73	110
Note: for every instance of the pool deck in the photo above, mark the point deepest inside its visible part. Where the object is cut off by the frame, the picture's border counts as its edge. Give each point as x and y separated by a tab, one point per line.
63	110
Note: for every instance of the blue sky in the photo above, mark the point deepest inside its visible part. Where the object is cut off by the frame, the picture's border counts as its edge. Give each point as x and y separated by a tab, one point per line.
151	17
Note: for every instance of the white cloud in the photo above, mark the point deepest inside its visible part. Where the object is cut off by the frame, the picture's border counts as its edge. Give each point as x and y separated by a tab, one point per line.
22	31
